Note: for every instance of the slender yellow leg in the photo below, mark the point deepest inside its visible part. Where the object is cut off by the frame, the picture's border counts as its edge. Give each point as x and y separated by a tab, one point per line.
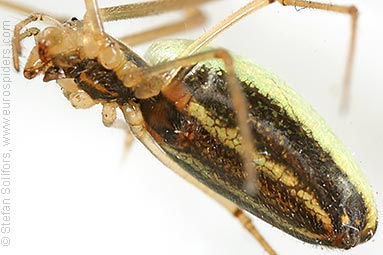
147	8
193	18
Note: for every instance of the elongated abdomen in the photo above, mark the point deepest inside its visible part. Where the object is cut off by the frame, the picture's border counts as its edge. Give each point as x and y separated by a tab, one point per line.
308	185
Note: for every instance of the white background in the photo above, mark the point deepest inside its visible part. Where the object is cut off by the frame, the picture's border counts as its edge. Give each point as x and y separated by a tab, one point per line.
73	192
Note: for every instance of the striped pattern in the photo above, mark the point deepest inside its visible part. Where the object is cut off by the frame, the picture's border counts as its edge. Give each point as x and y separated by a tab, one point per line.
309	185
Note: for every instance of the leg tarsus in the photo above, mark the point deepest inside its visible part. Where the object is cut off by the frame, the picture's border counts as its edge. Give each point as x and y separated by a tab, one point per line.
353	12
249	226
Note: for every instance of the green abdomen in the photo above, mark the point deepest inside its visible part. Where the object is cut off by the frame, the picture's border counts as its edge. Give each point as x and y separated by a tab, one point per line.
303	187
